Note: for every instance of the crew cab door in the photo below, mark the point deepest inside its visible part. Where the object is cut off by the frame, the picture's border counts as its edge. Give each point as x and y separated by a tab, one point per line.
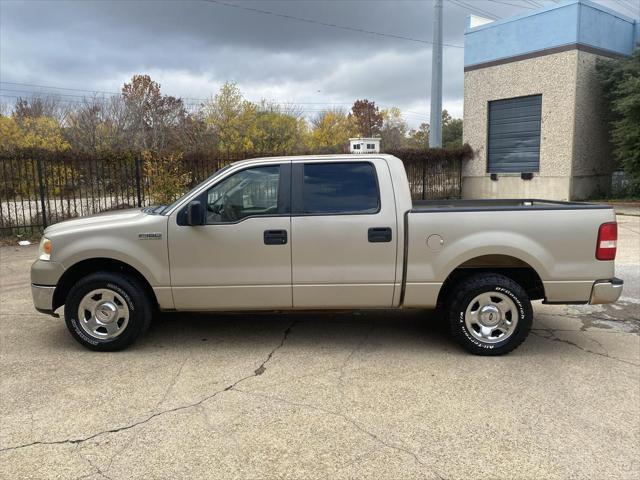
241	257
344	234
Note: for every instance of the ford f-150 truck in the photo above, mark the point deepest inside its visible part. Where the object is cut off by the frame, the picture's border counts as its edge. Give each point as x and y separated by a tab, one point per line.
325	232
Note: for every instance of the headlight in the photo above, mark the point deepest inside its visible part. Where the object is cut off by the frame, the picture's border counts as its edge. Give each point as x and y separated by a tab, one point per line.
45	248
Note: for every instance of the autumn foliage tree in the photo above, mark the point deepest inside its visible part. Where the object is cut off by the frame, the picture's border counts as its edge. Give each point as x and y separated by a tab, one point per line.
331	130
393	133
150	115
168	177
230	119
451	133
367	118
39	132
142	118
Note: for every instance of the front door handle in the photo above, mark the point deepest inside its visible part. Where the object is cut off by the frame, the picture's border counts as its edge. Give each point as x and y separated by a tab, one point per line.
380	234
275	237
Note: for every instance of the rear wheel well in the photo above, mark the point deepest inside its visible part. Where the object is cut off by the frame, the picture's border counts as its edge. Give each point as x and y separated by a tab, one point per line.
511	267
81	269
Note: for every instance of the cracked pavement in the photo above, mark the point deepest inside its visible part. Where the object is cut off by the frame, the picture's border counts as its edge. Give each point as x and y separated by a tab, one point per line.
315	395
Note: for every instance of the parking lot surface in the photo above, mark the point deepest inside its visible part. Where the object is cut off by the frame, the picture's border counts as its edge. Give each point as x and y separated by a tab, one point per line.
332	395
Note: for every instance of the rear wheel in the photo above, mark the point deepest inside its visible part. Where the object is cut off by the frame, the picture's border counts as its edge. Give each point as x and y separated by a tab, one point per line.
106	311
489	314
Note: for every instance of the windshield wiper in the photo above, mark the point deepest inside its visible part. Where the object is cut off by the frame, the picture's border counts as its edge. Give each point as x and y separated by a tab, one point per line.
154	209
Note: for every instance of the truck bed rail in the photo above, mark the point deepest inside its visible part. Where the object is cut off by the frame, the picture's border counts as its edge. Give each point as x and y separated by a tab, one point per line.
420	206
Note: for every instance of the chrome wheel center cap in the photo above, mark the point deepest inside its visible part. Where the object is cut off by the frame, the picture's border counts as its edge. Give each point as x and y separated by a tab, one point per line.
106	312
490	315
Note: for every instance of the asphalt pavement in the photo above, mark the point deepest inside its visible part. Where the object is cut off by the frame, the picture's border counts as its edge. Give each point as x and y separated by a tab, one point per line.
307	395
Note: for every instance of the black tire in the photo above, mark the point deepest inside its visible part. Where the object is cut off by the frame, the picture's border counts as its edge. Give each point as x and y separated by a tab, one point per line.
467	290
140	309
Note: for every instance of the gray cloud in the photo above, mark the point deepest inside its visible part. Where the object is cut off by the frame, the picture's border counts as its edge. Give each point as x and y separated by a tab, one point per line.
191	47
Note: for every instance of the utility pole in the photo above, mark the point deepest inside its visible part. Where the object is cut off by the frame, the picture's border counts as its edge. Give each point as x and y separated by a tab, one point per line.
435	127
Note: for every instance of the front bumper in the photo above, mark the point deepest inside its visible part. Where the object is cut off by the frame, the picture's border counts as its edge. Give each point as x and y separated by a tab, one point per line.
606	291
43	298
45	275
46	272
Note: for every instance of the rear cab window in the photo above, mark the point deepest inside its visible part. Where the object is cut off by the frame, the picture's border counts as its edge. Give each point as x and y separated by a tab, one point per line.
336	188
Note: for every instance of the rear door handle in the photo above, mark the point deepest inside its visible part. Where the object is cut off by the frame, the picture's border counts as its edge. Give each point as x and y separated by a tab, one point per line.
380	234
275	237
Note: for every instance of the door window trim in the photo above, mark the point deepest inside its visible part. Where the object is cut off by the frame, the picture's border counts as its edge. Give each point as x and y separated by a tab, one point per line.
297	183
284	196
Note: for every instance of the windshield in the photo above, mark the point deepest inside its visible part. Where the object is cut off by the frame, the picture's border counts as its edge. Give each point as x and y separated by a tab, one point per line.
167	208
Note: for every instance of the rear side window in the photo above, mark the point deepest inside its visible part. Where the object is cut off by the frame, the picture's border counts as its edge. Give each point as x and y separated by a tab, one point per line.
340	188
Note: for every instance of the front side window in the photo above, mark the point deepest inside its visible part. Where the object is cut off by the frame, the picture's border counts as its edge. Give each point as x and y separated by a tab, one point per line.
247	193
370	146
356	147
340	188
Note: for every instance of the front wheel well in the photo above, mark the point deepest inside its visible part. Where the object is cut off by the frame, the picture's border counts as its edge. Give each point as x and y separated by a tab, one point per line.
81	269
511	267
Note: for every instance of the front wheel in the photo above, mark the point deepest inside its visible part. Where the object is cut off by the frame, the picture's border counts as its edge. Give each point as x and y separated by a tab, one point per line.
490	314
106	311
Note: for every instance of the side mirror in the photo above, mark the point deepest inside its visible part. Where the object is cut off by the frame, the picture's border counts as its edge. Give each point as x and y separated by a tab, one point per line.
195	213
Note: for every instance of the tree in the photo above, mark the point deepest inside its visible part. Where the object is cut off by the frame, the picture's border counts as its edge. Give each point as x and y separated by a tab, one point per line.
168	178
331	130
620	80
230	118
451	131
4	108
277	131
192	134
367	119
419	138
84	125
35	107
150	115
394	129
98	124
39	132
10	133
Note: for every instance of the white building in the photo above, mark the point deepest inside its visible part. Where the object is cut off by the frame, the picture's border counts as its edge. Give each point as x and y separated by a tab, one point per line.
364	145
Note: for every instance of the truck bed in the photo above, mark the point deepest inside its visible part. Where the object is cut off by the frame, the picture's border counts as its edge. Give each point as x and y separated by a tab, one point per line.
419	206
555	239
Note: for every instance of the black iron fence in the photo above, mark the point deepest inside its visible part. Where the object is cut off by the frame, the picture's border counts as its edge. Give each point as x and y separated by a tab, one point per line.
40	188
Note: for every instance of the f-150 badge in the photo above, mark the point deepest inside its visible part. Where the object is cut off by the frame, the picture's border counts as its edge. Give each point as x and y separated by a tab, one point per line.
150	236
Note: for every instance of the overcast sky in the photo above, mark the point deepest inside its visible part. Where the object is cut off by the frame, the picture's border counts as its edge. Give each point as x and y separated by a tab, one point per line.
191	47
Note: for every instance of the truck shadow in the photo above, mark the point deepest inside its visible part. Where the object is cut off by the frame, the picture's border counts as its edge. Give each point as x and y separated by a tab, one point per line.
388	328
235	332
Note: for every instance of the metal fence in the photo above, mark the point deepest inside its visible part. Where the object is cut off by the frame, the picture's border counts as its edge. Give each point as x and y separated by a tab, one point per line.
39	188
434	178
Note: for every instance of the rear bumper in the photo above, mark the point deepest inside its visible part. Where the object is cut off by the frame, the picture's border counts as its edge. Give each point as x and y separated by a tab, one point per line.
43	298
606	291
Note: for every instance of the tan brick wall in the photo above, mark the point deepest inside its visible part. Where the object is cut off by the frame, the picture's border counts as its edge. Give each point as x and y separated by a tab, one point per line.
593	161
554	76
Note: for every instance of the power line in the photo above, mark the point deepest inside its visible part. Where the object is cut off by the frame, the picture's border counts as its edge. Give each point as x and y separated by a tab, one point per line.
637	5
629	7
77	99
325	24
512	4
473	9
103	92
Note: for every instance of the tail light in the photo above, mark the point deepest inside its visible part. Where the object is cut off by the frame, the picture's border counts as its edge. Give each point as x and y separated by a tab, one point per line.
607	241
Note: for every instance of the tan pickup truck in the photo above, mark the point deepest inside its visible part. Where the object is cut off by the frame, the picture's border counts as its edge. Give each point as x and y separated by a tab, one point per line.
325	232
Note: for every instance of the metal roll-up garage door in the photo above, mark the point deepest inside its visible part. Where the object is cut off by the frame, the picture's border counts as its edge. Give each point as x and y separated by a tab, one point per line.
514	135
